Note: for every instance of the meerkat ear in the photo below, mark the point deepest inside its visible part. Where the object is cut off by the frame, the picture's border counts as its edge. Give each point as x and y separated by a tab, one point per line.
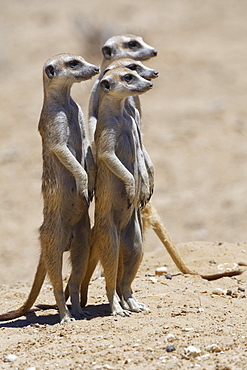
107	52
50	71
105	85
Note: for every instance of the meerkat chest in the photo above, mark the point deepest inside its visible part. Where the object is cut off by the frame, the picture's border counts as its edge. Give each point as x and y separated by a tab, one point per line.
74	137
126	142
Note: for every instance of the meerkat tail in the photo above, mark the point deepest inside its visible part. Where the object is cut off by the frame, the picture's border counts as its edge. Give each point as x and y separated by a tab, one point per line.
37	284
151	218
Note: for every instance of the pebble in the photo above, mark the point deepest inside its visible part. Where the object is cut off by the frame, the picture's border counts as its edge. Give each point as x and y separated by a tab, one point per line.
170	348
227	266
241	289
212	348
219	291
136	345
168	276
232	293
153	280
187	329
161	270
200	309
10	358
31	368
170	338
192	351
103	367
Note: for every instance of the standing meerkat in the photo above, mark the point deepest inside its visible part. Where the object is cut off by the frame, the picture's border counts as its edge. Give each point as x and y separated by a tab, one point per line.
116	47
148	74
117	234
66	186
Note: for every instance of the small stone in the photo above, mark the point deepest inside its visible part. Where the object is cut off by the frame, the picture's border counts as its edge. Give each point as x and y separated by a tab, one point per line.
241	289
170	338
227	266
161	270
153	280
10	358
200	309
219	291
168	276
205	357
188	329
212	348
170	348
136	345
31	368
192	351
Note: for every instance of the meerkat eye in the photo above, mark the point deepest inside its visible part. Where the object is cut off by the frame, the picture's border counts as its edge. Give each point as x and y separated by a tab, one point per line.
128	78
134	67
73	63
133	44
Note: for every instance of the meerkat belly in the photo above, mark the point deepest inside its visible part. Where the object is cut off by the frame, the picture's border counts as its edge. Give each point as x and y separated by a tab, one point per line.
126	150
60	191
111	203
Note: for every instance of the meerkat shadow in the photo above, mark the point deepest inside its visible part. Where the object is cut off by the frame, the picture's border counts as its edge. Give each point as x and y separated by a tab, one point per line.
32	319
100	310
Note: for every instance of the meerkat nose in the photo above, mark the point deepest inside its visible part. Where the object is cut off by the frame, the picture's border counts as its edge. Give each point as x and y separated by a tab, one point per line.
156	73
155	52
96	69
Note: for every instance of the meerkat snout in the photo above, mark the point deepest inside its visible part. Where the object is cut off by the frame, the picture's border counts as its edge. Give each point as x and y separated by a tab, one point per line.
155	52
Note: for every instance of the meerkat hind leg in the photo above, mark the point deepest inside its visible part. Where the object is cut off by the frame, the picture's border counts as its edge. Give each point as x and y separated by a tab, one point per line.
53	261
79	259
109	260
131	245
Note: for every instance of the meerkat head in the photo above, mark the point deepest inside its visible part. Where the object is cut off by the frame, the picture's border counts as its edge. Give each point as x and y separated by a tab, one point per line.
134	65
68	68
122	82
127	46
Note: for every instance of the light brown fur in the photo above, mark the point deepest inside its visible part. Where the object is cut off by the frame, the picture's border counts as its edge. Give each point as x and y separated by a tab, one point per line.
66	186
117	234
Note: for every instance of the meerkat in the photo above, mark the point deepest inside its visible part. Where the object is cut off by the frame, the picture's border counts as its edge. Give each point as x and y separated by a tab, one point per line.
144	159
117	234
116	47
67	184
132	103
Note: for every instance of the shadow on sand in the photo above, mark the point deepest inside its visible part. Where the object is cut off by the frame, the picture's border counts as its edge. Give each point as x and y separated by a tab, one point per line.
91	312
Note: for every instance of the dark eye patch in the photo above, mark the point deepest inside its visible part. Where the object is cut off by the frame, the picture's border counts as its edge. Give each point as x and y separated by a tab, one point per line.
73	63
133	44
128	78
134	67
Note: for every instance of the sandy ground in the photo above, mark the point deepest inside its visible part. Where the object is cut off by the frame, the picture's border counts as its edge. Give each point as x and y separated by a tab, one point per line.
195	129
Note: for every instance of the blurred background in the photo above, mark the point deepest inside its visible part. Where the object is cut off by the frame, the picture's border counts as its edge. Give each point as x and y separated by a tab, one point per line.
194	119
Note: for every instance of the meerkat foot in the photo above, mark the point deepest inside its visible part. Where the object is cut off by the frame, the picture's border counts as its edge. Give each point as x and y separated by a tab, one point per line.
121	312
77	312
67	318
143	307
134	306
118	310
